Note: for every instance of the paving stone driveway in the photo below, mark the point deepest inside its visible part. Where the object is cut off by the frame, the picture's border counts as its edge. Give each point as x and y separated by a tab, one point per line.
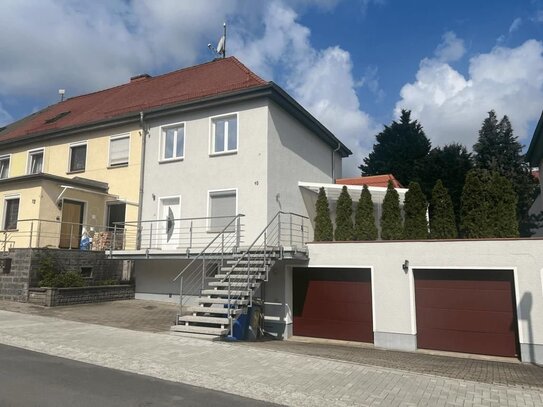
380	376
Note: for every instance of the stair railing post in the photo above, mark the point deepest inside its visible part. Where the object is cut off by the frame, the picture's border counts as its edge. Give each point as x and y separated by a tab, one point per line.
266	253
203	271
190	235
151	236
229	310
112	243
31	231
238	233
71	236
303	233
279	229
290	226
180	299
222	249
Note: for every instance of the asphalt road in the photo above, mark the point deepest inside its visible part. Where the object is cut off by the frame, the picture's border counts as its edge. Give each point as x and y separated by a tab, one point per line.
29	379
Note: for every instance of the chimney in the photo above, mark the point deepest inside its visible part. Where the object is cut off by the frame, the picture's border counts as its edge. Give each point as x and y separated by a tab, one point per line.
139	78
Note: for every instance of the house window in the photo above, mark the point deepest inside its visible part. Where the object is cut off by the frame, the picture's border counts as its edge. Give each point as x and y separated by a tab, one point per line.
222	208
118	150
4	167
225	134
11	213
173	142
78	157
35	161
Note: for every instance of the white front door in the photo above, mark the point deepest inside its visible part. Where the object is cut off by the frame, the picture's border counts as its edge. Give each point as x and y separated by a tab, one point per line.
169	224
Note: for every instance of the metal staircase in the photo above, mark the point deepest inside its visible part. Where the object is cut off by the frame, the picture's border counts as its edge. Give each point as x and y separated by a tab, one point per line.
219	285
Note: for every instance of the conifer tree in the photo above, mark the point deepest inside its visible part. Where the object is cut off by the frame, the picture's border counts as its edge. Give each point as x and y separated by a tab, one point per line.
364	227
442	222
415	221
476	222
489	206
323	223
497	149
391	218
504	215
344	216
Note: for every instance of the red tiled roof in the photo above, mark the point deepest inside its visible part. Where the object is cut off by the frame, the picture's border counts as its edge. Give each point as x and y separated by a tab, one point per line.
221	76
371	181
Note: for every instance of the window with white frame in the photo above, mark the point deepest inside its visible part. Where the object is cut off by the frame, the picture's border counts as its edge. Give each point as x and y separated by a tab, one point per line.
78	157
224	134
173	142
119	150
4	166
222	209
35	161
11	213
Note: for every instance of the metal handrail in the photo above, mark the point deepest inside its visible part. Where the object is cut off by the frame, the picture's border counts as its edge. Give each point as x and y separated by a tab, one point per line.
277	215
239	216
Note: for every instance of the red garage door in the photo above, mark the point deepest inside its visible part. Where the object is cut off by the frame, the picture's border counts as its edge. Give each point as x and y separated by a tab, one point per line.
333	304
469	311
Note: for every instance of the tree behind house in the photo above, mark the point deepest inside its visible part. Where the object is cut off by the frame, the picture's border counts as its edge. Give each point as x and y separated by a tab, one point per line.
344	216
497	149
364	227
442	222
391	218
415	221
399	150
323	223
488	206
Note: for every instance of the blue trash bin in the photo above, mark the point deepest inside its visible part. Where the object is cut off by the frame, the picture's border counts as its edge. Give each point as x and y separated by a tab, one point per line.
241	326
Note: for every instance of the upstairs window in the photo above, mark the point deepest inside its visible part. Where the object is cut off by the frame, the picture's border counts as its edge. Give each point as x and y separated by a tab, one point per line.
119	147
4	166
173	142
11	213
35	162
224	134
78	157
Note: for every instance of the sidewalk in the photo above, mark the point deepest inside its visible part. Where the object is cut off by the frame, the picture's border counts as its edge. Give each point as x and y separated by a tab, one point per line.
275	376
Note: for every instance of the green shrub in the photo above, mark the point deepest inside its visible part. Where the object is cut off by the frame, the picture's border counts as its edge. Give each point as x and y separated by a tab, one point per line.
415	223
391	219
344	216
442	218
365	228
50	276
324	231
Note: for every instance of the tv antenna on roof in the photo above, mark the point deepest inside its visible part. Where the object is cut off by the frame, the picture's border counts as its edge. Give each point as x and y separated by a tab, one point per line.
221	45
61	93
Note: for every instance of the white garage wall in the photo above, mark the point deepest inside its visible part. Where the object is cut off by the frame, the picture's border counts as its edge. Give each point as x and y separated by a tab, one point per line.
394	297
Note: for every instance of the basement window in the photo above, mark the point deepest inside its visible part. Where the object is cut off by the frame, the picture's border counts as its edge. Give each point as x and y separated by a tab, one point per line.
86	271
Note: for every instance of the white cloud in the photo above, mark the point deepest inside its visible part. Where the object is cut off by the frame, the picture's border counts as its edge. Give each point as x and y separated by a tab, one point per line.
321	80
451	106
515	25
5	117
451	48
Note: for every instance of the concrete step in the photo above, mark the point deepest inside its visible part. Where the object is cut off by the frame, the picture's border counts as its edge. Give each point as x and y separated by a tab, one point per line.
241	276
243	269
236	302
211	310
203	320
233	293
241	284
259	261
199	330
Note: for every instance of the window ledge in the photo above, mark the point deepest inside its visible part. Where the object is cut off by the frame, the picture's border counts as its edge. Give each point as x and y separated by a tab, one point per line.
229	152
75	172
170	160
110	167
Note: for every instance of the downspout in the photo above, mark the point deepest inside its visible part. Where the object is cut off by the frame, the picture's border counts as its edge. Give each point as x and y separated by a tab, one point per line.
142	171
333	162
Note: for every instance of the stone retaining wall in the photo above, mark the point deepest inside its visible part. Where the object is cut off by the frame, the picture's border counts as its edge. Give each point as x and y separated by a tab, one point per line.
52	297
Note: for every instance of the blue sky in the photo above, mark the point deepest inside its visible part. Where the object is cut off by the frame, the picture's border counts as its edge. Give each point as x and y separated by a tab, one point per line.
353	63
